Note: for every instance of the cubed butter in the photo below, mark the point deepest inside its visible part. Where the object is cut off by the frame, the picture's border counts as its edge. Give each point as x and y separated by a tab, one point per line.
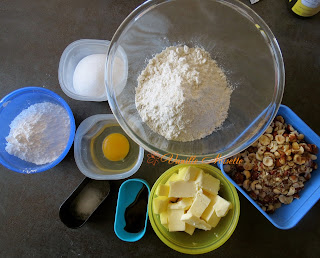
160	204
211	217
206	215
162	190
222	206
183	204
190	229
174	177
208	183
181	189
190	173
200	203
195	221
182	171
164	218
174	220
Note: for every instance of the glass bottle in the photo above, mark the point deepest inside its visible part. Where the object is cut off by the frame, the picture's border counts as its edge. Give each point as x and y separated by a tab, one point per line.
304	8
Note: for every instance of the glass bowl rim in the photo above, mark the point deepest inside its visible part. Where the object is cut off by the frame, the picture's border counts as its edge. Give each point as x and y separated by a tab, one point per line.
271	110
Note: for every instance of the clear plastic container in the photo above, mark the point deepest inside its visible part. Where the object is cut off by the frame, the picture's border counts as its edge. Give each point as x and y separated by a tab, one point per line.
88	132
69	60
235	36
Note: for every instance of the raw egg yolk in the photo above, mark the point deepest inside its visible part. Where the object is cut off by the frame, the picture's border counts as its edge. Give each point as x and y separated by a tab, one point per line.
115	147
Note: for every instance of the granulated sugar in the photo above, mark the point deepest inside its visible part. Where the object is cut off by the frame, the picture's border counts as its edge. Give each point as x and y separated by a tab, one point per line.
182	94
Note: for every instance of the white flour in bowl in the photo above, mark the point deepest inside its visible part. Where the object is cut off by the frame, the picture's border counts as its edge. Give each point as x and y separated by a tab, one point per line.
39	134
182	94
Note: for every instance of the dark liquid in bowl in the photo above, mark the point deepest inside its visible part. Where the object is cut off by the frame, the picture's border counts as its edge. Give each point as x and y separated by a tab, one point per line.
135	214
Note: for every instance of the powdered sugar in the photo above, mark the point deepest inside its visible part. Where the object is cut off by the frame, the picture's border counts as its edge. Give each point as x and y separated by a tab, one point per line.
182	94
39	134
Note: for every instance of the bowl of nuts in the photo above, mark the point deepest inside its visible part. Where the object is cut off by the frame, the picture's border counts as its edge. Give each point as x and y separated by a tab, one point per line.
279	174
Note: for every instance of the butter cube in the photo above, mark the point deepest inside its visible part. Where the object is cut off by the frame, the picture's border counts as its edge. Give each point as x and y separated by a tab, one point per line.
182	171
209	215
222	206
190	229
164	218
181	189
199	204
209	211
174	177
213	220
195	221
162	190
208	183
174	221
189	173
160	204
183	204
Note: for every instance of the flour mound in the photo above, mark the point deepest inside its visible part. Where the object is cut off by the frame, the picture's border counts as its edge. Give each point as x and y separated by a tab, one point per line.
182	94
39	134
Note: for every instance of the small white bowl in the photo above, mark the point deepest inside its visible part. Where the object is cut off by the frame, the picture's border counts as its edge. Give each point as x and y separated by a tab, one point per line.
69	60
86	131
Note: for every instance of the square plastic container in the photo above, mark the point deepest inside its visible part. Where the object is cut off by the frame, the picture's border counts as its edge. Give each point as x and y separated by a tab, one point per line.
88	130
69	60
287	216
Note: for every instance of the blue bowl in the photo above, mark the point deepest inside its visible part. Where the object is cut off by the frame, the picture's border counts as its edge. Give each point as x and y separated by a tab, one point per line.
289	215
12	105
127	194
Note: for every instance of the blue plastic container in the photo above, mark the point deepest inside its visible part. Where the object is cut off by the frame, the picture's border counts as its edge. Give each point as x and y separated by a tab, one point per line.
289	215
12	105
127	194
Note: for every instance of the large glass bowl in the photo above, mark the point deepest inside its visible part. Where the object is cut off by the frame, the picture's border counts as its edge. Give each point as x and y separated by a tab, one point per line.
235	36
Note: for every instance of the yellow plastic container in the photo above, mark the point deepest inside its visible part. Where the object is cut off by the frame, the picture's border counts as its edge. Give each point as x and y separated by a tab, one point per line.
201	241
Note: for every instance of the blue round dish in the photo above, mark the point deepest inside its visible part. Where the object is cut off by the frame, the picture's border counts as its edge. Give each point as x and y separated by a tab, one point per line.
127	194
10	106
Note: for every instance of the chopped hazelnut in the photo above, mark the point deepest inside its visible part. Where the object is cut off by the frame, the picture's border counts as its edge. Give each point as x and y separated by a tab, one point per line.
280	139
269	129
295	146
276	166
268	161
280	119
264	140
